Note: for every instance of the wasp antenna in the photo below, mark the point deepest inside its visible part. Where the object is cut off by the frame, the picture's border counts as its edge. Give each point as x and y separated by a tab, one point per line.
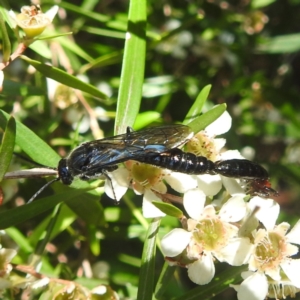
41	189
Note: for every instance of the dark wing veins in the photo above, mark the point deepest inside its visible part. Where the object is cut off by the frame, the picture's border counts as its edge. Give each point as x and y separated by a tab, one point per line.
93	157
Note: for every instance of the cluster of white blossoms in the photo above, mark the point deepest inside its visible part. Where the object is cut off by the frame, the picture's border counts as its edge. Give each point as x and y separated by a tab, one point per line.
229	230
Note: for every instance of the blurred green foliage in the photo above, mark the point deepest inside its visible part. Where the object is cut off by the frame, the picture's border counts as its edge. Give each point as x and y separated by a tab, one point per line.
247	50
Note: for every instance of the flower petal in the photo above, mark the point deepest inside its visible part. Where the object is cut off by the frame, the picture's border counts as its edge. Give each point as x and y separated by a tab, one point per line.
268	211
173	243
232	186
181	182
52	12
202	271
219	126
234	209
294	235
209	184
219	144
291	269
255	287
231	154
118	185
193	202
149	210
236	253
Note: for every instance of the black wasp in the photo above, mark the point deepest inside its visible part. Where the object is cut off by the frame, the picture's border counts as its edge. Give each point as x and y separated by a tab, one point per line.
157	146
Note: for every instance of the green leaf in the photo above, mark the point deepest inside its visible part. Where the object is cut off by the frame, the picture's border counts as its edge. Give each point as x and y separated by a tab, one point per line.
288	43
132	76
93	240
255	4
65	78
25	212
146	118
196	109
21	240
84	12
105	32
168	209
146	279
7	146
75	49
31	144
165	278
207	118
65	218
88	207
44	240
41	48
6	46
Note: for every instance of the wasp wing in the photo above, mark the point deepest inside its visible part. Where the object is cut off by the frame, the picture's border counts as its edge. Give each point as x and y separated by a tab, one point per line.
100	154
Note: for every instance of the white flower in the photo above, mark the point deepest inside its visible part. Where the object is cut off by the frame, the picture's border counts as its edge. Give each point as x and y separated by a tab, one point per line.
144	178
207	145
32	20
208	236
272	270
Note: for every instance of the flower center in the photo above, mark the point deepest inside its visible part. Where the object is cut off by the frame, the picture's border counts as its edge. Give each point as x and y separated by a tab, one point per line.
210	234
202	145
145	175
269	251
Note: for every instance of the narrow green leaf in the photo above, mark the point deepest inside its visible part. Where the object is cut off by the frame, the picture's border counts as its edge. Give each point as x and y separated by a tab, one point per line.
84	12
207	118
132	76
256	4
20	239
6	46
31	144
146	279
41	245
93	240
65	218
41	48
287	43
165	277
49	37
88	207
146	118
102	61
75	49
105	32
196	109
64	78
168	209
25	212
7	146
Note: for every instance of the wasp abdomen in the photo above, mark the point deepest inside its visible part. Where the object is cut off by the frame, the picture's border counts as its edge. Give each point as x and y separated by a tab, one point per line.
240	168
179	161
